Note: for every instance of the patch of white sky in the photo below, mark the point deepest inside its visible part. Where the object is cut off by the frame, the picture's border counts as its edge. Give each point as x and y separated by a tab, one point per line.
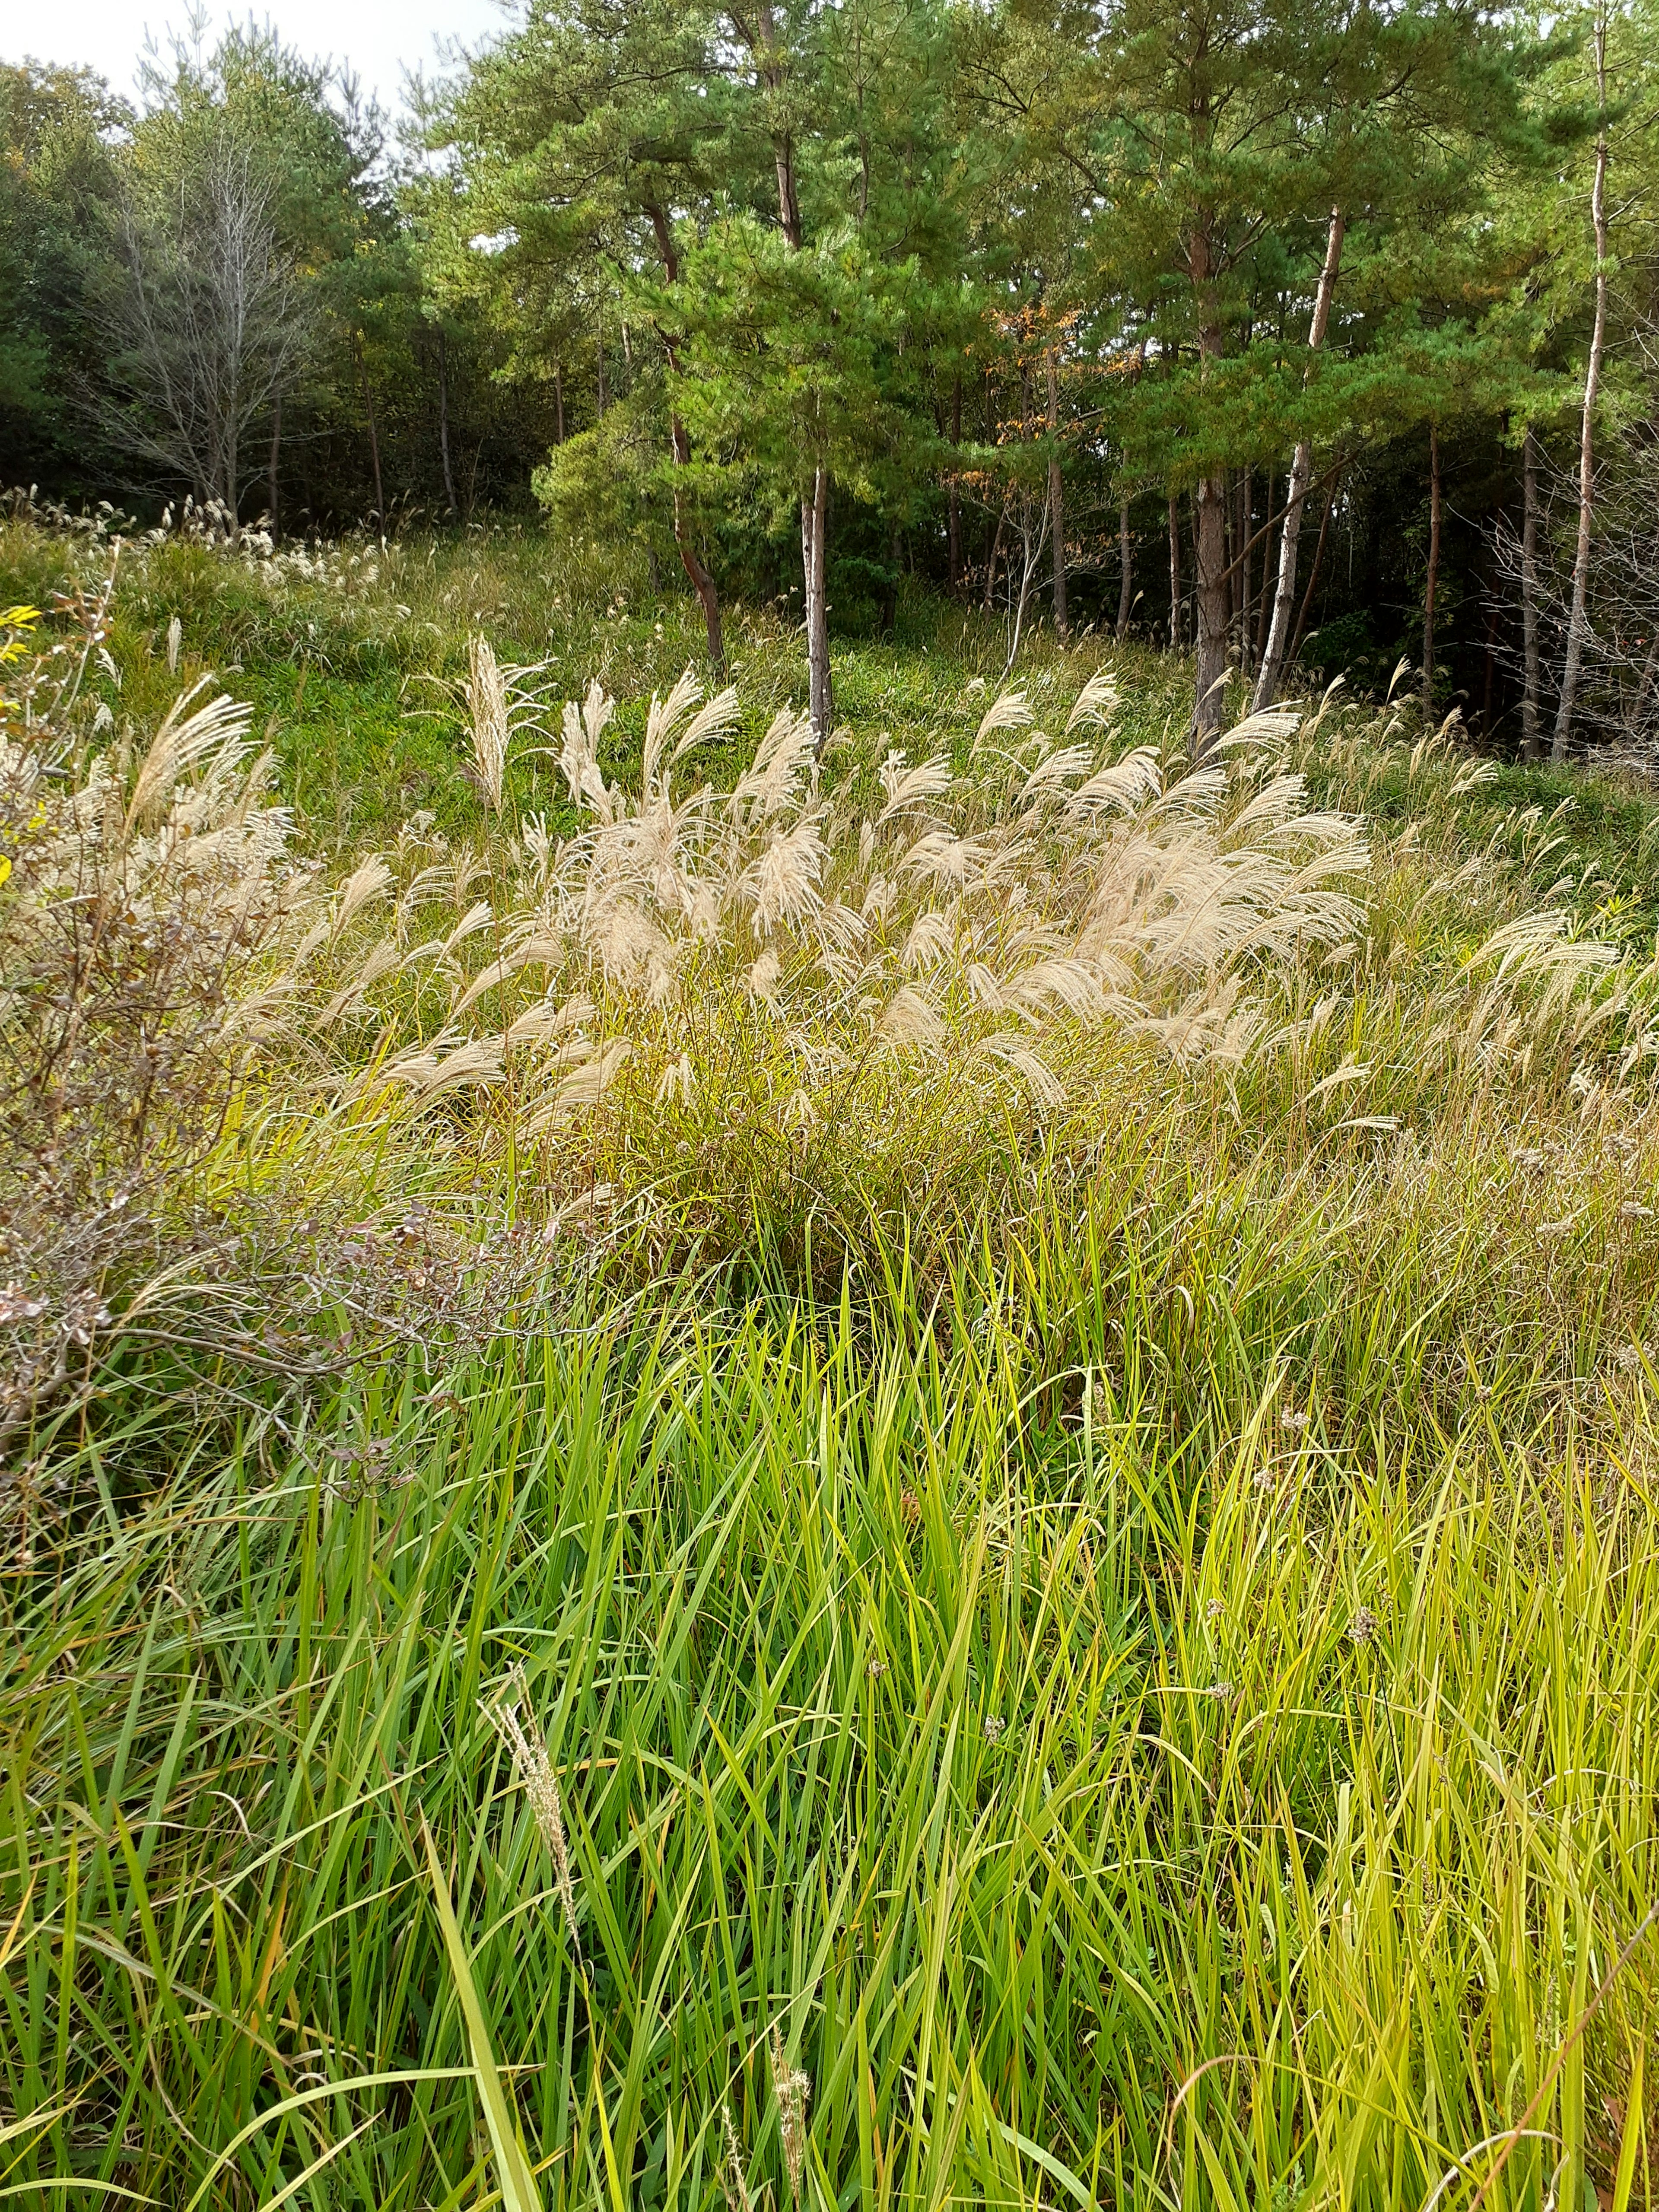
379	42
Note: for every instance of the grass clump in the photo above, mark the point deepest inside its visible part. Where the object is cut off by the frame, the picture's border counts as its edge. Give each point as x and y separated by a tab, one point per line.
918	1477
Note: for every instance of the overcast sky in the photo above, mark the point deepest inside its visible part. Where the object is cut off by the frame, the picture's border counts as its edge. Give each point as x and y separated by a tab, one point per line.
379	37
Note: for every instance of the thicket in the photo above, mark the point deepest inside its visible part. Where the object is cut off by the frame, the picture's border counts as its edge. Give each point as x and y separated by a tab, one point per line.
918	1474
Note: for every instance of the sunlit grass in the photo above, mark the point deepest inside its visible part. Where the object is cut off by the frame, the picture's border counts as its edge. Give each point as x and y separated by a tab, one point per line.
1065	1630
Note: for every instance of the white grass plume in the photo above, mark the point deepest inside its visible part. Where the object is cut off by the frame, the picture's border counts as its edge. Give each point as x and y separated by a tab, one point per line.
519	1731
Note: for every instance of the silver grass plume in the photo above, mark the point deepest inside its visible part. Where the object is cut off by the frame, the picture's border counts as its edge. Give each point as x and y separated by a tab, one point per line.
487	706
792	2089
524	1739
731	2174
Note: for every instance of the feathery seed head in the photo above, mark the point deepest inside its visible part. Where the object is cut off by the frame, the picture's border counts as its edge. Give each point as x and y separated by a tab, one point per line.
524	1739
792	2089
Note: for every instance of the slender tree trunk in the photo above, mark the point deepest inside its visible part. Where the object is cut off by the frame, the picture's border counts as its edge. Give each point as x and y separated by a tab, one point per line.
558	406
814	547
1056	500
1230	549
1265	592
991	561
770	71
1125	571
955	493
1433	582
1245	518
1273	655
1532	741
276	455
603	394
1209	523
1577	622
1643	691
373	434
1175	574
443	423
1312	576
691	560
1209	559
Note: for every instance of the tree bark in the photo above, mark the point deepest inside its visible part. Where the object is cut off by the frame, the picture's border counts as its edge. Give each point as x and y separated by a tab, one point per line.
1265	595
275	454
770	71
373	434
1209	559
703	583
558	406
1125	573
1434	570
956	494
1312	576
1577	624
1273	655
1532	741
443	424
814	545
1175	574
1056	500
1209	520
990	559
1245	518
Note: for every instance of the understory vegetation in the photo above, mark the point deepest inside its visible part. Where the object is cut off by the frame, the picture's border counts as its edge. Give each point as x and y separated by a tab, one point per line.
907	1473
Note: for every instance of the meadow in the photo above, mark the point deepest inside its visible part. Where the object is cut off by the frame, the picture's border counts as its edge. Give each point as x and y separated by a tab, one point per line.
915	1478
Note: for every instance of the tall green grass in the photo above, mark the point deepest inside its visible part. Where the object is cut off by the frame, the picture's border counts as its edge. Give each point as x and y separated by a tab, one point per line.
1118	1642
1105	1798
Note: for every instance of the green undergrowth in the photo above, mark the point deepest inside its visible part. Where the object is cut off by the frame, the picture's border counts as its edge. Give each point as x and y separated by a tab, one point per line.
1096	1806
1108	1645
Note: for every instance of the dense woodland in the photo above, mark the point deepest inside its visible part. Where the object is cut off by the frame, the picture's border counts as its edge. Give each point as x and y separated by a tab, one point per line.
1265	327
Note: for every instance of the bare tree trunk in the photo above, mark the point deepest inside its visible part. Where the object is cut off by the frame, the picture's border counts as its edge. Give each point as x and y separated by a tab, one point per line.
991	562
1434	570
276	453
956	494
814	544
1313	577
1175	576
770	72
690	559
1273	656
1245	518
232	472
1577	623
1532	743
703	583
1209	521
443	423
1125	573
1056	500
373	435
1265	593
1210	556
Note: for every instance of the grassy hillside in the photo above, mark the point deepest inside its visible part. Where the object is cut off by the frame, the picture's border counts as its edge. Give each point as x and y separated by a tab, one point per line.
927	1479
